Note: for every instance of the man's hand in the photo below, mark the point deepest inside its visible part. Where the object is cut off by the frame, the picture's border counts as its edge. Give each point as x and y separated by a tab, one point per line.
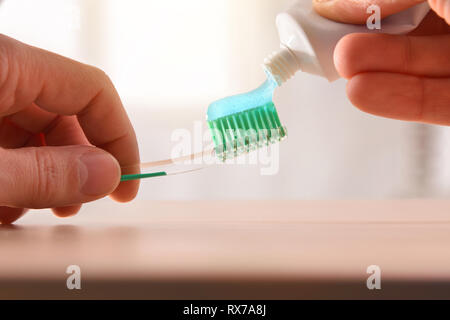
88	135
402	77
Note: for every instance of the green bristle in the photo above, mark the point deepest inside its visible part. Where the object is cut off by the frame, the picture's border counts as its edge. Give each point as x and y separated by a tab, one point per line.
246	131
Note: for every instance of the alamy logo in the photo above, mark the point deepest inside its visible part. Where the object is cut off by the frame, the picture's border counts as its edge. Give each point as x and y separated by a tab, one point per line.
374	21
374	280
74	280
188	142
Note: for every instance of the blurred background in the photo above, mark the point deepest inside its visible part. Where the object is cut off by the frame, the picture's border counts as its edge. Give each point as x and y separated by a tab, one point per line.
170	59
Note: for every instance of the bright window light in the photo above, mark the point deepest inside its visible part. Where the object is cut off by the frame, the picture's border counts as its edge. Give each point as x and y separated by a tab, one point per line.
167	53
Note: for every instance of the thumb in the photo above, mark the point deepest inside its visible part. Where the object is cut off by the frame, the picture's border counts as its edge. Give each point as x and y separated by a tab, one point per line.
350	11
442	8
49	177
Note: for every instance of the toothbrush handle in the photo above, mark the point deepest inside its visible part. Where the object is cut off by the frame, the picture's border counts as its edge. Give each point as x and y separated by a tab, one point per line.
168	165
130	177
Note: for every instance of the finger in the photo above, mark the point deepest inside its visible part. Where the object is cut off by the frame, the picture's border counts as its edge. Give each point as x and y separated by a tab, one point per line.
401	96
65	131
66	87
422	56
12	136
65	212
350	11
442	8
9	215
16	131
49	177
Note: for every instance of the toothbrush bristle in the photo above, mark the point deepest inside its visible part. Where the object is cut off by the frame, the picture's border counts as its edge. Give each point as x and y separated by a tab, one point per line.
246	131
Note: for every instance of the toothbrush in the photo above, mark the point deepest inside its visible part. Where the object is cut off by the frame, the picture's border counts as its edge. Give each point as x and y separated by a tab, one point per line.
239	124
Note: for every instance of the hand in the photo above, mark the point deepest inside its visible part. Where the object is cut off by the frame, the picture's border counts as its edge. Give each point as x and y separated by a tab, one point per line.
76	107
402	77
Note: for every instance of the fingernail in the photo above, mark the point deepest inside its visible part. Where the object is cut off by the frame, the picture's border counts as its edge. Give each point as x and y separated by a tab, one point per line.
99	173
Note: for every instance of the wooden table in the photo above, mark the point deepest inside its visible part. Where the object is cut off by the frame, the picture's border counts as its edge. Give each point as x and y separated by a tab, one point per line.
232	250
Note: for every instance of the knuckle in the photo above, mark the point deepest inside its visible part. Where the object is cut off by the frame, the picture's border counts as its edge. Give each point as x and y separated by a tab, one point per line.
3	61
408	57
6	99
13	58
47	178
101	75
103	84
